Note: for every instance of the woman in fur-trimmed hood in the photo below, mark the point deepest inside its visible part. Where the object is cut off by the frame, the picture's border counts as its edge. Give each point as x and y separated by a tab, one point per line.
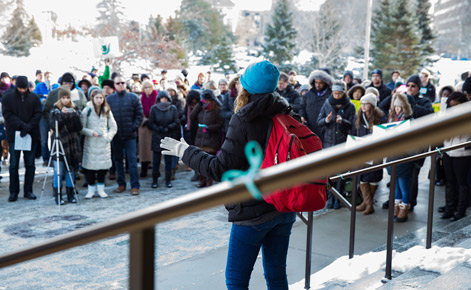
407	109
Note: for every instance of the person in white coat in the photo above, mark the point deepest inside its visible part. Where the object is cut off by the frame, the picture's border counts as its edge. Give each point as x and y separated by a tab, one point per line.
99	128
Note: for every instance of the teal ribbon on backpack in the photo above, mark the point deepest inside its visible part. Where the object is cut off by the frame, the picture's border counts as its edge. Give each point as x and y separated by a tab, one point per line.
254	155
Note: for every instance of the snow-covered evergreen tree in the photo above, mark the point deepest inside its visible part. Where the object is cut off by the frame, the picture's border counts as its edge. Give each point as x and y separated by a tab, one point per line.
395	38
21	34
222	56
110	18
426	34
279	46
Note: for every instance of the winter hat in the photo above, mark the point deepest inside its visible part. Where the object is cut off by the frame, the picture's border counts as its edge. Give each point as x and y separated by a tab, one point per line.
467	86
260	78
354	88
108	83
398	102
348	73
91	89
67	78
208	95
369	99
338	86
38	71
87	82
303	88
64	91
372	90
144	76
414	79
5	75
163	94
377	72
184	72
22	82
171	86
193	95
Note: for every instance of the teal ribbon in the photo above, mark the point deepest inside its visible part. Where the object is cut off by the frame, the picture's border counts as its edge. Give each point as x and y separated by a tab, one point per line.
254	154
439	151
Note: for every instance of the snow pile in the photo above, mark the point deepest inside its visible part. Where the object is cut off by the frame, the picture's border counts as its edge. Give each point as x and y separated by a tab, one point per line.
436	259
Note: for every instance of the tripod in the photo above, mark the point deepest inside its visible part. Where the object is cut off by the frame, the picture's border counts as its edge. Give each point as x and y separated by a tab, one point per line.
58	150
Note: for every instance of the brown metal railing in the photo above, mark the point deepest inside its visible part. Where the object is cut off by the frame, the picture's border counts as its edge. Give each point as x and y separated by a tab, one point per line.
140	224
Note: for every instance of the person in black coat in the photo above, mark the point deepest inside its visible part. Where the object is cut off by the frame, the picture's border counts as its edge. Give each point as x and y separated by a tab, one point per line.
427	89
164	122
377	83
255	222
368	116
321	84
22	112
285	89
336	117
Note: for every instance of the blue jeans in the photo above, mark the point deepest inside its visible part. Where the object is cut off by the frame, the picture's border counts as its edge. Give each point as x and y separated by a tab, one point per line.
28	158
244	245
44	131
402	189
168	164
63	170
130	146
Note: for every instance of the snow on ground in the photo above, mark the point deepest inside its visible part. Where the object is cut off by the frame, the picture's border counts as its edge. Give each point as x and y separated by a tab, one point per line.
436	259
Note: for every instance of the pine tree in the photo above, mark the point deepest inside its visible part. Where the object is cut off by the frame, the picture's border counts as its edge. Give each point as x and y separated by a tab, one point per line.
222	56
110	18
279	45
36	38
426	34
17	39
395	39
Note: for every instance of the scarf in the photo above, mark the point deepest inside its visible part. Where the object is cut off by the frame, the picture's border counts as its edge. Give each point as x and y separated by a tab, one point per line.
320	94
163	106
4	87
147	102
338	102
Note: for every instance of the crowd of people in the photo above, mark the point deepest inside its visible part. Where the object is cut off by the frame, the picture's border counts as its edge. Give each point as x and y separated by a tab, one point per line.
107	124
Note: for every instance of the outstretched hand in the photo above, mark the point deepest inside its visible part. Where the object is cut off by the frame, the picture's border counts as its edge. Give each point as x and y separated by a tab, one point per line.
173	146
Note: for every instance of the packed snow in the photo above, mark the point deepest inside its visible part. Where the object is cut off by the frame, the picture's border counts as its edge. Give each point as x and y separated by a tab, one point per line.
435	259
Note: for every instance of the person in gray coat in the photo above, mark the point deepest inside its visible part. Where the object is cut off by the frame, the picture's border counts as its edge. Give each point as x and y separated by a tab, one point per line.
99	128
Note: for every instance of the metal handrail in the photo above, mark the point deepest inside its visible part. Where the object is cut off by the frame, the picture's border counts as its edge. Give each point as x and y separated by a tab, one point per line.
426	130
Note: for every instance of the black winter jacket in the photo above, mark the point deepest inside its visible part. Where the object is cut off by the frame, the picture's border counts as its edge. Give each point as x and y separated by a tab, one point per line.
336	133
429	91
251	122
311	108
384	91
21	112
422	106
294	99
210	135
127	111
227	109
163	121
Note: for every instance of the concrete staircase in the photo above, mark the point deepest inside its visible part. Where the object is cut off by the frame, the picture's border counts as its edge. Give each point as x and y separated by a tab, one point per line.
445	234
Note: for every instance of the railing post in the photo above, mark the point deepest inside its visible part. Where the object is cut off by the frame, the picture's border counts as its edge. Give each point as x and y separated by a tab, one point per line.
142	259
307	278
389	242
431	200
353	211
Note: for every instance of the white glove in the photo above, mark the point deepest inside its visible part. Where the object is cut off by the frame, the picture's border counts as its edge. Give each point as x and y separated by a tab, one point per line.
174	147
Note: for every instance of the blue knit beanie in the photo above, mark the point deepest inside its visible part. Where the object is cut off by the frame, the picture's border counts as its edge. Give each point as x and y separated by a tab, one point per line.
260	78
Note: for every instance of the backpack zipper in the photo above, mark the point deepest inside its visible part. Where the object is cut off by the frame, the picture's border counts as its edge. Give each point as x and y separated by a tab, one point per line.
289	148
276	154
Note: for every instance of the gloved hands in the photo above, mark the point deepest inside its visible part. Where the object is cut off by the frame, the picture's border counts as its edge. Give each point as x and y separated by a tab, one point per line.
25	129
173	147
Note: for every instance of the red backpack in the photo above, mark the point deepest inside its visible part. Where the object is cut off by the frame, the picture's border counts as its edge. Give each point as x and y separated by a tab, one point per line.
289	139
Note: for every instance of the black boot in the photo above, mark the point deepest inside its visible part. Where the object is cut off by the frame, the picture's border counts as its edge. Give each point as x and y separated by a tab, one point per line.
155	178
71	195
144	167
462	203
58	196
195	177
168	176
13	197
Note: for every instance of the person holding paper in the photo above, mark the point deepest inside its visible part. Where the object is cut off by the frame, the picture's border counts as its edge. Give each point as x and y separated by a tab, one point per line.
368	116
22	112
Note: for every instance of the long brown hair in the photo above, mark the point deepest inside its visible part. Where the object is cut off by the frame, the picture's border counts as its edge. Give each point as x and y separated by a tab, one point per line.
59	104
374	119
242	99
405	105
100	110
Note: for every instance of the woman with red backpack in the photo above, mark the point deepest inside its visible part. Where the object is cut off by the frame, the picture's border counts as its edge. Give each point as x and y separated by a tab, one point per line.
255	224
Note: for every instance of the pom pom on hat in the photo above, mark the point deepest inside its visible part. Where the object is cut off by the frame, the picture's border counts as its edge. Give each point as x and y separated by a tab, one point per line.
369	99
260	78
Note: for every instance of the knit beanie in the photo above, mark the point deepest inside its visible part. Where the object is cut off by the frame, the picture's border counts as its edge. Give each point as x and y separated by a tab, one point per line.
68	78
91	89
338	86
348	73
260	78
377	72
466	86
414	79
22	82
108	83
64	91
398	102
372	90
369	99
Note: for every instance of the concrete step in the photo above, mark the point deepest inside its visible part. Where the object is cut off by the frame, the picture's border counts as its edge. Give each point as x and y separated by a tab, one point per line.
458	278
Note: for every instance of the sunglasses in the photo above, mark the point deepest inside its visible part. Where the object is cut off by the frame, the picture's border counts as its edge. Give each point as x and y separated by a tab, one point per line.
120	83
411	86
